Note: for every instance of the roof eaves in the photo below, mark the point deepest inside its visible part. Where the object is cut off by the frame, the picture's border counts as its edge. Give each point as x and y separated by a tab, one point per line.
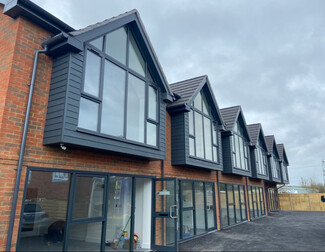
36	14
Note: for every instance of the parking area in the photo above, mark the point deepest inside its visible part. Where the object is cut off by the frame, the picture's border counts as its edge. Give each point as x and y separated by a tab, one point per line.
280	231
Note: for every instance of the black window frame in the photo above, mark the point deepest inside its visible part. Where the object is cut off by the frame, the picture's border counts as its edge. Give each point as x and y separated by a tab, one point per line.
69	221
213	125
240	209
263	154
238	133
193	208
260	202
128	71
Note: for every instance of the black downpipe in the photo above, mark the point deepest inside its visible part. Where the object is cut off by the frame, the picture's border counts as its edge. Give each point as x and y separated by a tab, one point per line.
162	169
22	151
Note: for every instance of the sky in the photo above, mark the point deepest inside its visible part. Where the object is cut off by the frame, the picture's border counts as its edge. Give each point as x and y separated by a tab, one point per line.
267	56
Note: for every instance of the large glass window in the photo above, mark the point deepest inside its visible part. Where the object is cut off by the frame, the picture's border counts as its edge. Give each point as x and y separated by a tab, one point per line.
284	171
119	97
260	158
275	167
256	198
210	205
197	208
273	199
232	203
239	148
203	133
44	211
223	205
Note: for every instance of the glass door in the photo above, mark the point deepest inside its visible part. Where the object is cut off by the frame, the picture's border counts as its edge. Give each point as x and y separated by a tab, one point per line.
164	214
86	215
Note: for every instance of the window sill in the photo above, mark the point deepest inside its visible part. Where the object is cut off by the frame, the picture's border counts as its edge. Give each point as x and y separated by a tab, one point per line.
205	160
85	131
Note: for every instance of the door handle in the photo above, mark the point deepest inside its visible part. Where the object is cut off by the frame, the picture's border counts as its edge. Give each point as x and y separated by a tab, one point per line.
171	211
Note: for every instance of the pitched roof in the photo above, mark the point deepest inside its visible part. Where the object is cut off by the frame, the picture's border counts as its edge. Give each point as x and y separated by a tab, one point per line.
146	37
282	153
270	142
280	149
104	22
187	89
254	130
230	115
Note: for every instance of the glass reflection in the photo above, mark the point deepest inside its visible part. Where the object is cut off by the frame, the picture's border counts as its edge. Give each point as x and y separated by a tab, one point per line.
135	109
113	100
45	209
92	75
88	114
119	212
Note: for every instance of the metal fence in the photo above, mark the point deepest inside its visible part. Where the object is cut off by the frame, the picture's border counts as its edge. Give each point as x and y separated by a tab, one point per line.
301	202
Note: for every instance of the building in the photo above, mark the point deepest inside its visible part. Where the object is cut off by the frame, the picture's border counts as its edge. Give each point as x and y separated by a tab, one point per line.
170	167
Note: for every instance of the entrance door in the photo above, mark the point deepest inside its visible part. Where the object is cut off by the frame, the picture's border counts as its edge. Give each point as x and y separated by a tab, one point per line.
164	214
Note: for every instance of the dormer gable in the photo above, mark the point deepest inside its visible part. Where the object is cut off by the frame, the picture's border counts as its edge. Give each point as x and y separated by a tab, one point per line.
257	135
272	146
113	92
193	91
196	123
235	121
282	153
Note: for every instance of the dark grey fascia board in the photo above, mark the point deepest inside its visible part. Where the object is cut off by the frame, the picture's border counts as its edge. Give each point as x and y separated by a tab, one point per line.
167	98
226	133
36	14
181	108
62	43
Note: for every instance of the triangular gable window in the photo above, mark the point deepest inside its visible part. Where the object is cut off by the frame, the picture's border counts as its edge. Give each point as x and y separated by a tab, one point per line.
136	61
117	44
201	103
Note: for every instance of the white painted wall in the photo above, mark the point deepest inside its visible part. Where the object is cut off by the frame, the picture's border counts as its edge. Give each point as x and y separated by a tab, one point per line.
142	225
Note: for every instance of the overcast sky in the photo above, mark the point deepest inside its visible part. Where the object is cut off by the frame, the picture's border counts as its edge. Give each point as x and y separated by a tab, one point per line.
267	56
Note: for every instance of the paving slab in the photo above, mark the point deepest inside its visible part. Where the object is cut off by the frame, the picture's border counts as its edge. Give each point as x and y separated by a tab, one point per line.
280	231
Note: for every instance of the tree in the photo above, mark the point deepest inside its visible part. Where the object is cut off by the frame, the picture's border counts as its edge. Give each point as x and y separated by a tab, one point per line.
310	184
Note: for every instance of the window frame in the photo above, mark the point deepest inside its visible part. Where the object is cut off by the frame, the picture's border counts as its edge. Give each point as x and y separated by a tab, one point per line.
241	146
213	127
193	208
258	194
128	71
260	156
240	187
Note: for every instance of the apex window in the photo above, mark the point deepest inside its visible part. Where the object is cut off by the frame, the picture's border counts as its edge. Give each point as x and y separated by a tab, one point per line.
203	130
260	158
275	167
239	148
119	97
